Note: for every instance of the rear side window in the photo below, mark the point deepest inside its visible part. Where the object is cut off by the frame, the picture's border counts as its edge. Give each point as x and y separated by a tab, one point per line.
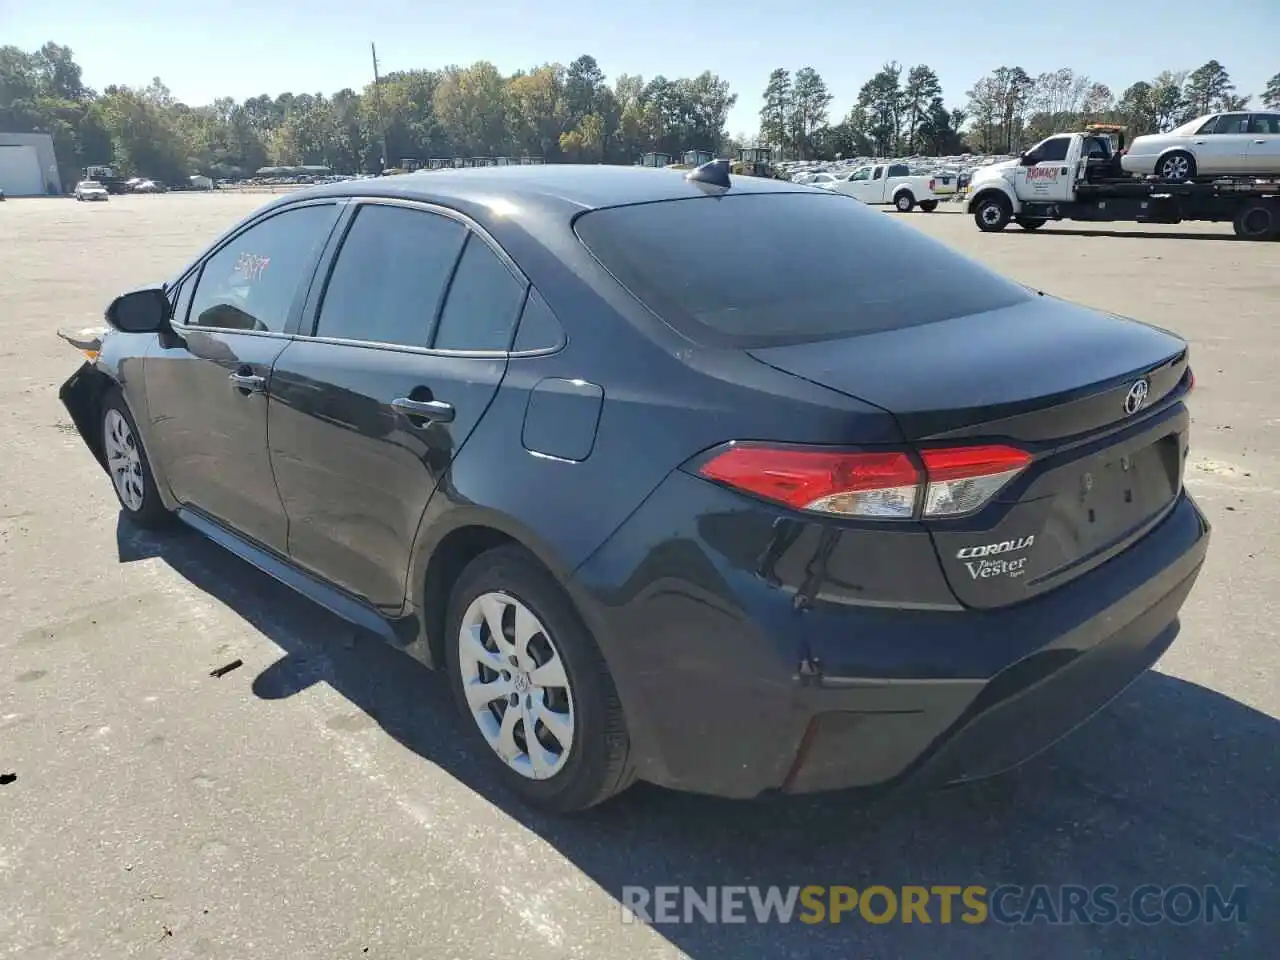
1232	123
1265	123
539	328
484	299
899	170
390	276
757	270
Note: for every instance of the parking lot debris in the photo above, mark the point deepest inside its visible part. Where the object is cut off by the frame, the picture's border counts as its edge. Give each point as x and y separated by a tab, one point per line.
7	778
224	670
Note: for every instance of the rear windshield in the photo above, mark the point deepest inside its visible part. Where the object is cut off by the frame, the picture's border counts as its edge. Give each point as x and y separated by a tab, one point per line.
756	270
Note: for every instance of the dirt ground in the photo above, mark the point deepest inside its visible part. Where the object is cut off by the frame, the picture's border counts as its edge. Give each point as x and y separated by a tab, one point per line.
315	803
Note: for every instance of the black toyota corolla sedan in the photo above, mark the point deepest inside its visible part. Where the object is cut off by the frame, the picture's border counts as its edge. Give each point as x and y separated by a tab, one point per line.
728	485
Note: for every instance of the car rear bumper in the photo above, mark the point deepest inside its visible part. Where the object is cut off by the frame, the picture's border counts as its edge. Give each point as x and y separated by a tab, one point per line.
969	730
1139	164
730	689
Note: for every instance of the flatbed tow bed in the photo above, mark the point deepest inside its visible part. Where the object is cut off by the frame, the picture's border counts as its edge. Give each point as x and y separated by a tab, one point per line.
1072	177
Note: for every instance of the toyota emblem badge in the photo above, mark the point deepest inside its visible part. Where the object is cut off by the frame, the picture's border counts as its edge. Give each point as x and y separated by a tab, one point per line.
1136	397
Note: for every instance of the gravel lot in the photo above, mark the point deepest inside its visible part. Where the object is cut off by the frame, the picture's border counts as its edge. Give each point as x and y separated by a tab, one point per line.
313	803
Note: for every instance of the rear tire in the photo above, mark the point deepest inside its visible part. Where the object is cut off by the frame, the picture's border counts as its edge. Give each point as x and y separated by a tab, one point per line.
928	206
545	658
1176	167
992	214
904	202
1026	223
128	466
1257	221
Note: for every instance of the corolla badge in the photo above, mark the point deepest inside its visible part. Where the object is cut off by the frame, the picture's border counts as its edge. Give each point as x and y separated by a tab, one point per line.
1136	397
977	559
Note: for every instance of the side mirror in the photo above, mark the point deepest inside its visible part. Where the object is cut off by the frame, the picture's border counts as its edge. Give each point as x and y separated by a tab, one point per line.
142	311
1028	160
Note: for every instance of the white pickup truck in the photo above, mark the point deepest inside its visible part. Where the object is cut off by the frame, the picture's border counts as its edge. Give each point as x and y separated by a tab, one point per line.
888	183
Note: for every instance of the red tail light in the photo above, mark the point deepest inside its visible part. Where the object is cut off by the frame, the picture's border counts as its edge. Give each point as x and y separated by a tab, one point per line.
953	481
1191	380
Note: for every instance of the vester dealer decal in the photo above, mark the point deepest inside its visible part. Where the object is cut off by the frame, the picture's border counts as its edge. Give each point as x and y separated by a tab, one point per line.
987	560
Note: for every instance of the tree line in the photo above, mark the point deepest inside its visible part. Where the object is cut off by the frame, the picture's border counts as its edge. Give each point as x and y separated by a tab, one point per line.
900	111
1009	109
568	114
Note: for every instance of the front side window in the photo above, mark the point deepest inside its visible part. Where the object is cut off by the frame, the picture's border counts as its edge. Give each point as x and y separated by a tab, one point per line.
250	284
863	174
180	298
390	276
1230	123
1053	150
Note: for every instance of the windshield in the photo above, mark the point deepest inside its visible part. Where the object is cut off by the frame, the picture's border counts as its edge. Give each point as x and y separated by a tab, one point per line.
91	184
756	270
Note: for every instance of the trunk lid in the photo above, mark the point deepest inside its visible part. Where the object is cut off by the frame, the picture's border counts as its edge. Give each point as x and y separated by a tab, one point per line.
1054	379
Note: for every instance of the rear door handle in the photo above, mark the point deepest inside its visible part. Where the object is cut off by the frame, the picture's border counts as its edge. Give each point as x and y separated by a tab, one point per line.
1259	141
435	411
1200	143
247	382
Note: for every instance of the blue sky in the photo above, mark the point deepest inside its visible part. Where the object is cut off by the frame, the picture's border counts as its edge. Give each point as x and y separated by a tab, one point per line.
242	48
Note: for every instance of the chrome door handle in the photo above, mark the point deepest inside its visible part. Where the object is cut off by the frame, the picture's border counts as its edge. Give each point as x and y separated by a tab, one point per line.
1200	143
247	382
1259	141
435	411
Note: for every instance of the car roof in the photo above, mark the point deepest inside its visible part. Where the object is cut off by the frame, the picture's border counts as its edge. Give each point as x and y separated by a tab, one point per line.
536	202
568	188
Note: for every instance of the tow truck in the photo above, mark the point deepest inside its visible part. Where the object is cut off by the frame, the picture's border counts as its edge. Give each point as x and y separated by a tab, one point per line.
1077	176
107	176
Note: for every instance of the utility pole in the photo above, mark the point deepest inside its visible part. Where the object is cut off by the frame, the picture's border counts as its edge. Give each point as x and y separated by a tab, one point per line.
377	100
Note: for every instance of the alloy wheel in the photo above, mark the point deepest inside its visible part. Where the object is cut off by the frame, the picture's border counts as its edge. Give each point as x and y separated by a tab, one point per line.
124	461
515	685
1175	168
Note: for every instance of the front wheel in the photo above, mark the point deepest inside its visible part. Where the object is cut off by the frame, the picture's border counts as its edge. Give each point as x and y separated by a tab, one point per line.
928	206
130	470
992	214
533	686
904	202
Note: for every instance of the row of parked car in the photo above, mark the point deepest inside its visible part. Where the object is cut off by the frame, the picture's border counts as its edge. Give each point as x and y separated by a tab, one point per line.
950	174
907	183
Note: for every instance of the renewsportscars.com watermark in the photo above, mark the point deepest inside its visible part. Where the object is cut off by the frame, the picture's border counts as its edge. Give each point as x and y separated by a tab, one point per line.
1007	904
